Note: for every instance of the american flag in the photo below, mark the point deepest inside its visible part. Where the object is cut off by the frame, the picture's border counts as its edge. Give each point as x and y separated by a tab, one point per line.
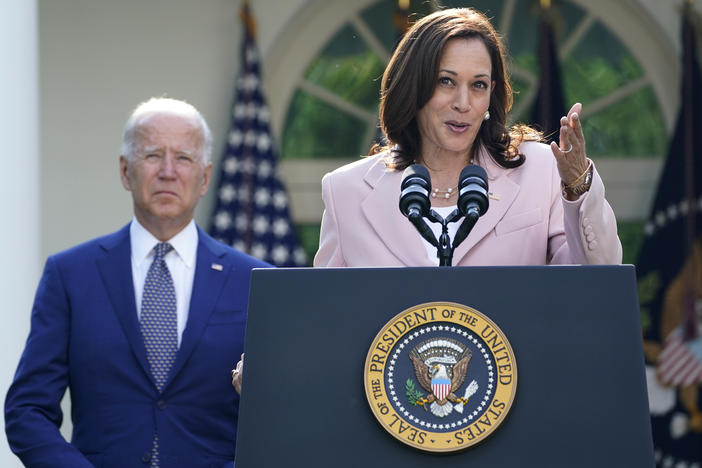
669	271
679	364
252	212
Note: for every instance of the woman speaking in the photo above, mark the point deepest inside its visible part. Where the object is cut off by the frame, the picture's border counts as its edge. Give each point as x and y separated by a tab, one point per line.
444	101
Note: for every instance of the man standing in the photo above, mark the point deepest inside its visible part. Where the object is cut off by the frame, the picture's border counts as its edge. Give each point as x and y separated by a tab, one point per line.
142	325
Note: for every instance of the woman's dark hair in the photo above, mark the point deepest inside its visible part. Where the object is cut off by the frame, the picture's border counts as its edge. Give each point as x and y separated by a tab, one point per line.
410	78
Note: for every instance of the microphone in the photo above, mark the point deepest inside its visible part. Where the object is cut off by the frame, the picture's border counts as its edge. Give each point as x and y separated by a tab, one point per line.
414	191
472	190
472	199
414	199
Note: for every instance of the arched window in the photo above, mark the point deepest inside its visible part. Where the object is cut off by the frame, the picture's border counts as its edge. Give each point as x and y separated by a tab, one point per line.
330	95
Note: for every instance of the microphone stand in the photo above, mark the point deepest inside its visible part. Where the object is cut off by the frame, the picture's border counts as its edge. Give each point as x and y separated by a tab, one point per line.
465	227
415	205
443	246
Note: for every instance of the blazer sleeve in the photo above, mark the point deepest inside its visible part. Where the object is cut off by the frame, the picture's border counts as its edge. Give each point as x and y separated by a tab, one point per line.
33	403
588	234
329	253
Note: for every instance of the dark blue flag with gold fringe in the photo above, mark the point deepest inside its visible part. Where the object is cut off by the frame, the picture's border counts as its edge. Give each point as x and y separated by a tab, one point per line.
549	105
669	271
252	211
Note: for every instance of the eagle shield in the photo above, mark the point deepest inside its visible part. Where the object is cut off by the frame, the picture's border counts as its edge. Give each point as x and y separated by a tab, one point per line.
440	365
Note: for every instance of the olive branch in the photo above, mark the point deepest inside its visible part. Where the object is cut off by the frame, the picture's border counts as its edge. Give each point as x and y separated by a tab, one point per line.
413	395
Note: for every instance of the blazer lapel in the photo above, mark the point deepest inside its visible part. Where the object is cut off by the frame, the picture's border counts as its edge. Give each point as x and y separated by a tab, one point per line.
206	289
393	228
503	192
115	267
398	234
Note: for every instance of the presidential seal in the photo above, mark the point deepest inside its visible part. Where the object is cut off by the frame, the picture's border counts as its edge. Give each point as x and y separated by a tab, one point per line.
440	377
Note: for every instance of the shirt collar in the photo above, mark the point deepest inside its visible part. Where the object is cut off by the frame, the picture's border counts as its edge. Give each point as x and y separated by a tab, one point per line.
143	242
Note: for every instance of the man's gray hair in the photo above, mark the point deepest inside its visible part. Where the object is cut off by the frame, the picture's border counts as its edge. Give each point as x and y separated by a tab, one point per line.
162	105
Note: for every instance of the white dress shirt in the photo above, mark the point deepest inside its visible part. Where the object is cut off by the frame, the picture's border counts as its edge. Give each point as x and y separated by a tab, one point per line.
180	262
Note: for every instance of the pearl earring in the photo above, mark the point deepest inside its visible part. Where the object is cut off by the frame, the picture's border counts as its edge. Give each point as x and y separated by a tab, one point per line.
486	116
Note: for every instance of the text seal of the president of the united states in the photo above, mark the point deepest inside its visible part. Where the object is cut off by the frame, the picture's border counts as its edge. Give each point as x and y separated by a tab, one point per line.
440	376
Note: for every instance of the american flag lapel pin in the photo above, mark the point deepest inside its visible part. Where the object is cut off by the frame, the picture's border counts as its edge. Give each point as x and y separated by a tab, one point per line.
217	267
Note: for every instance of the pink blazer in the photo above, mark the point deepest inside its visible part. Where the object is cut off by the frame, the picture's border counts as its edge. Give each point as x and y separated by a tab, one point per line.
528	221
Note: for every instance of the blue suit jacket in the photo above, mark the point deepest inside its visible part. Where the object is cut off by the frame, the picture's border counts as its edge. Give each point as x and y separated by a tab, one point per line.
85	336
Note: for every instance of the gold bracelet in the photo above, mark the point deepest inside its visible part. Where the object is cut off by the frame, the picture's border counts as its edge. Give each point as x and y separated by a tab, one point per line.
574	191
577	181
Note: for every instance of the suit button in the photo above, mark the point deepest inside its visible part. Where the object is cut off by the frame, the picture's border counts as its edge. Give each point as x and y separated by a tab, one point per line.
161	404
586	221
590	237
592	245
145	457
588	229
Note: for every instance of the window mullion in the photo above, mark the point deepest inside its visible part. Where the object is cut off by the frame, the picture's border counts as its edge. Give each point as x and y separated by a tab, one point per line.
370	38
336	101
576	36
615	96
507	16
371	132
524	104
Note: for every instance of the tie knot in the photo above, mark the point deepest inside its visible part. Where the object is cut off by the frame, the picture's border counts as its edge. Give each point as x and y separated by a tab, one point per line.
161	250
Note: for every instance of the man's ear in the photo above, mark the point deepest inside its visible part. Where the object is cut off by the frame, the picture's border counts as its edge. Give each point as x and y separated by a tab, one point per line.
206	179
123	168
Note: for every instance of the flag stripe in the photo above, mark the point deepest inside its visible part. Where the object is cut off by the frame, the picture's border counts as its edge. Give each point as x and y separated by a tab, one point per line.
673	372
677	364
690	373
694	376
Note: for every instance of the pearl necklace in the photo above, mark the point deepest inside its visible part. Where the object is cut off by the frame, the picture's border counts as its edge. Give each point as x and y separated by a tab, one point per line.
448	193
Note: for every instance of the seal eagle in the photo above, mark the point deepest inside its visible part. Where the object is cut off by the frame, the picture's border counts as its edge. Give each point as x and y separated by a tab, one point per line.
441	367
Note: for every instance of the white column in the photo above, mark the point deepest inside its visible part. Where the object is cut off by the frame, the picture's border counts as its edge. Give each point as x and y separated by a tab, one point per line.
19	187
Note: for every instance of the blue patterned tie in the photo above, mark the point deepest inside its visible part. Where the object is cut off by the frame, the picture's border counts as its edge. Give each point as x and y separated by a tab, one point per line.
159	324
